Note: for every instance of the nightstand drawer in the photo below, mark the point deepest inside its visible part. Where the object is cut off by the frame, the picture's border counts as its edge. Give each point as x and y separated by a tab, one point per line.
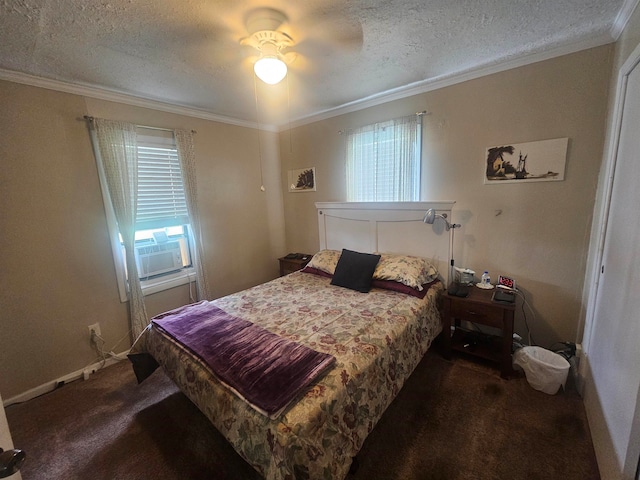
475	312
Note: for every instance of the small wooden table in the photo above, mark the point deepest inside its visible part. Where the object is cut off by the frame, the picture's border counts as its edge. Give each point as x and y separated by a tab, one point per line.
289	265
478	308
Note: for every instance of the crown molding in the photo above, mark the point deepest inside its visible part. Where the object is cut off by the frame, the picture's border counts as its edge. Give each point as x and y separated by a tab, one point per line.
623	17
409	90
437	83
127	99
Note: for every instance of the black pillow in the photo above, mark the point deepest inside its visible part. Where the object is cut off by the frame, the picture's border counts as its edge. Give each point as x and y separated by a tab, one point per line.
355	270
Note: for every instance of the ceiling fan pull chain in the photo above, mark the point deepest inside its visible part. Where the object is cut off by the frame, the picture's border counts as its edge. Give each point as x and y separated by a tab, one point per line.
255	94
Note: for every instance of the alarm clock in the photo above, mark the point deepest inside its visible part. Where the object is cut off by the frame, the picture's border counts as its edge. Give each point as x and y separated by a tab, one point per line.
506	283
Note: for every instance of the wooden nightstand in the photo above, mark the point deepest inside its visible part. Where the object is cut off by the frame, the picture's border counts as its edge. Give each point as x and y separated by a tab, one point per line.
289	265
479	309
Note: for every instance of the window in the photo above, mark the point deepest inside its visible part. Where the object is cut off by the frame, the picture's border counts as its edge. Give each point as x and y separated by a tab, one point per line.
383	161
161	200
163	239
162	219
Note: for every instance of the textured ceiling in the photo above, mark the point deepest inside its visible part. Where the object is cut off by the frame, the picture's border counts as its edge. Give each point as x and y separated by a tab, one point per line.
187	52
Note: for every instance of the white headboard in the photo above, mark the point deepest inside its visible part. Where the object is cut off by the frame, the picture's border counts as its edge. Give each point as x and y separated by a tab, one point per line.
387	227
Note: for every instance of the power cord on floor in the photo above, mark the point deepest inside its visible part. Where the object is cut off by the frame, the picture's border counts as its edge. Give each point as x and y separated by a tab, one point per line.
98	343
566	349
524	314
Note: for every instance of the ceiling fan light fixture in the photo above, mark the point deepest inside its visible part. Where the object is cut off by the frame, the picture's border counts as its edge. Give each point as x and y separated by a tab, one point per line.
270	69
262	24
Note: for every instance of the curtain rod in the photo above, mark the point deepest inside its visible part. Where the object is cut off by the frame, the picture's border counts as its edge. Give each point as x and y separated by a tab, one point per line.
418	114
91	119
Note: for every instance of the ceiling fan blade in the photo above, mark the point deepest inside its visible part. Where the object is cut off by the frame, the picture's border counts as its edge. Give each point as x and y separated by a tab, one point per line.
187	43
289	57
333	28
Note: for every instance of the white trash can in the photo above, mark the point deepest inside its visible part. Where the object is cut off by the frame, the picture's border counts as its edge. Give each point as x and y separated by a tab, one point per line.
545	370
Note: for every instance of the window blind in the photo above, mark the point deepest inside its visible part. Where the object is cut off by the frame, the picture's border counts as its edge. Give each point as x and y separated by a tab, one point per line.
383	161
161	196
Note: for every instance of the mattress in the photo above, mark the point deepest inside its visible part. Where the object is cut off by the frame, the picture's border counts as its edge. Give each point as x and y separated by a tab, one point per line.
377	339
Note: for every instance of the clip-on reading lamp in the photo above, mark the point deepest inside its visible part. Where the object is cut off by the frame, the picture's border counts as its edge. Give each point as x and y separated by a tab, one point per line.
429	218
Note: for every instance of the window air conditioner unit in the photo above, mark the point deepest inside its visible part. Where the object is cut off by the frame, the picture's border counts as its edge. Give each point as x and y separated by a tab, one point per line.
158	258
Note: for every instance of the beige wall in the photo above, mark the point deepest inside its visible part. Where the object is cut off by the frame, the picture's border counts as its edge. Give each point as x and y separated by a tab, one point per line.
541	235
57	271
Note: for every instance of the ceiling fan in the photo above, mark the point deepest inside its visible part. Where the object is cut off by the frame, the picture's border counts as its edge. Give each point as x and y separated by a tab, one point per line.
264	36
315	34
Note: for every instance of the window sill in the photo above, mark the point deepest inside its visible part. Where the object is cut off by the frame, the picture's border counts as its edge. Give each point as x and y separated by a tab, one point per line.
183	277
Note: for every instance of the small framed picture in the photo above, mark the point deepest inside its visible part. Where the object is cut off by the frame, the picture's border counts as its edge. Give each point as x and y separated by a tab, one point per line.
302	180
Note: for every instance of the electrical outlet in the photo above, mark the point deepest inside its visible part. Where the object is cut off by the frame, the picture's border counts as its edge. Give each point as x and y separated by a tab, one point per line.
95	328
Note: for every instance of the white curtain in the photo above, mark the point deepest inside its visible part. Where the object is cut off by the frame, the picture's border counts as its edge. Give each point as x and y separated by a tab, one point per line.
383	161
117	148
186	155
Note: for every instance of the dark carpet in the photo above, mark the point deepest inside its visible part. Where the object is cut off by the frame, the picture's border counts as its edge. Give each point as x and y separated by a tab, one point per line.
453	420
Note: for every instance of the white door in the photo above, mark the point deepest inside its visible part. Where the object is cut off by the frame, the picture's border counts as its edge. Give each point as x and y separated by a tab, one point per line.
614	352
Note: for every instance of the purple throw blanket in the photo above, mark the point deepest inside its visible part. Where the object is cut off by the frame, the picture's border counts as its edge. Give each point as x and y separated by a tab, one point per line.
266	370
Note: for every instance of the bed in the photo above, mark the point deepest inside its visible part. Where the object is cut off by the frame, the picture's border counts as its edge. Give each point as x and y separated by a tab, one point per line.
370	343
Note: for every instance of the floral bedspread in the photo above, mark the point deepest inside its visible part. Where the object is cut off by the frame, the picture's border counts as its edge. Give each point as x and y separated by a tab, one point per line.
377	338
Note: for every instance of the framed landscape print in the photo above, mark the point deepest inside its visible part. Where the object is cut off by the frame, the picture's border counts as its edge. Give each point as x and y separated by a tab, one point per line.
542	161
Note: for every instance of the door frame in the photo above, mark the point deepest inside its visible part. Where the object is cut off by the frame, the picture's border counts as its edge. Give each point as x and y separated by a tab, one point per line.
610	163
631	465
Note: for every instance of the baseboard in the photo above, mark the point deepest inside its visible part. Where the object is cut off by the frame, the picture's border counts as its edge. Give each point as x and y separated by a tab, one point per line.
52	385
603	444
